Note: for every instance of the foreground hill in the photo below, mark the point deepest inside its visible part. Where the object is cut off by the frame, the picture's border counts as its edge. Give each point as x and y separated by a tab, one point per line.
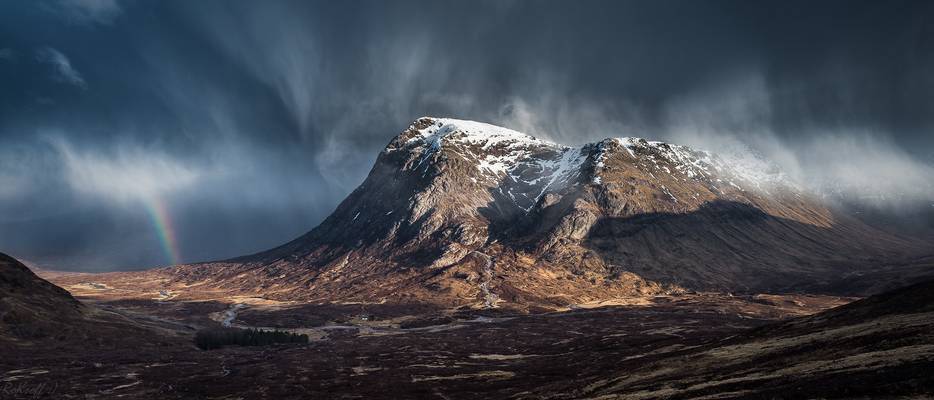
36	316
882	346
461	213
31	307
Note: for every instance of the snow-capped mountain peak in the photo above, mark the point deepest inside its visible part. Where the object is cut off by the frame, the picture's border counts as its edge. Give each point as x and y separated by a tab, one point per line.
472	132
524	168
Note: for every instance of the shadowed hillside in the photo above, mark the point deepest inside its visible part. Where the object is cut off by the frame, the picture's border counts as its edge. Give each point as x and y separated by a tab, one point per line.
881	346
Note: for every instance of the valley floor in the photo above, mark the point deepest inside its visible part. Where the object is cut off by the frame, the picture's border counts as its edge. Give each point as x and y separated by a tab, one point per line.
381	350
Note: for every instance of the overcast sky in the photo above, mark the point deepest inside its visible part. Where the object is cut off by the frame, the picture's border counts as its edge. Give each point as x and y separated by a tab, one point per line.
235	126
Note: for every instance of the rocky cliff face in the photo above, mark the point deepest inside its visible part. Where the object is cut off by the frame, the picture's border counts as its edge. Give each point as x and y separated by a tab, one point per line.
464	213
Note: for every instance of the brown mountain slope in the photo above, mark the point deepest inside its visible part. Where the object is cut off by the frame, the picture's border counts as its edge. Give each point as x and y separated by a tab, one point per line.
464	213
882	346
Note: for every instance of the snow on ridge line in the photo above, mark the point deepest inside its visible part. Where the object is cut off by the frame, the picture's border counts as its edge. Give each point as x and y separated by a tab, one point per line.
689	161
475	132
519	146
744	166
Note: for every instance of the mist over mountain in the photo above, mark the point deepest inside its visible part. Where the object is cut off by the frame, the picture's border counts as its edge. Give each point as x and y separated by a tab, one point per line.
130	131
486	199
464	214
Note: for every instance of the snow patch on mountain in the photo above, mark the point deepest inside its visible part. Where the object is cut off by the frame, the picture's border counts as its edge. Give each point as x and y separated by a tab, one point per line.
473	132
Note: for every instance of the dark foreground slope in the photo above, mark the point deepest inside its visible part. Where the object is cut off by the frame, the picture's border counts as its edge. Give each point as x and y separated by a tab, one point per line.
31	307
37	316
882	346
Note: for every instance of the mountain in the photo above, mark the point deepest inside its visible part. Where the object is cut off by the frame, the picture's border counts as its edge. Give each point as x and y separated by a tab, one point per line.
878	347
462	213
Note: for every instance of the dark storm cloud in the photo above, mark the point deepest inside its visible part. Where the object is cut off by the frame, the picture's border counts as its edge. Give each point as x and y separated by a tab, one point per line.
85	12
249	121
63	71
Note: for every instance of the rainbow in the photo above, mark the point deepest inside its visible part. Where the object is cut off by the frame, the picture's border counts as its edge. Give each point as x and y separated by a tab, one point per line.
158	211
